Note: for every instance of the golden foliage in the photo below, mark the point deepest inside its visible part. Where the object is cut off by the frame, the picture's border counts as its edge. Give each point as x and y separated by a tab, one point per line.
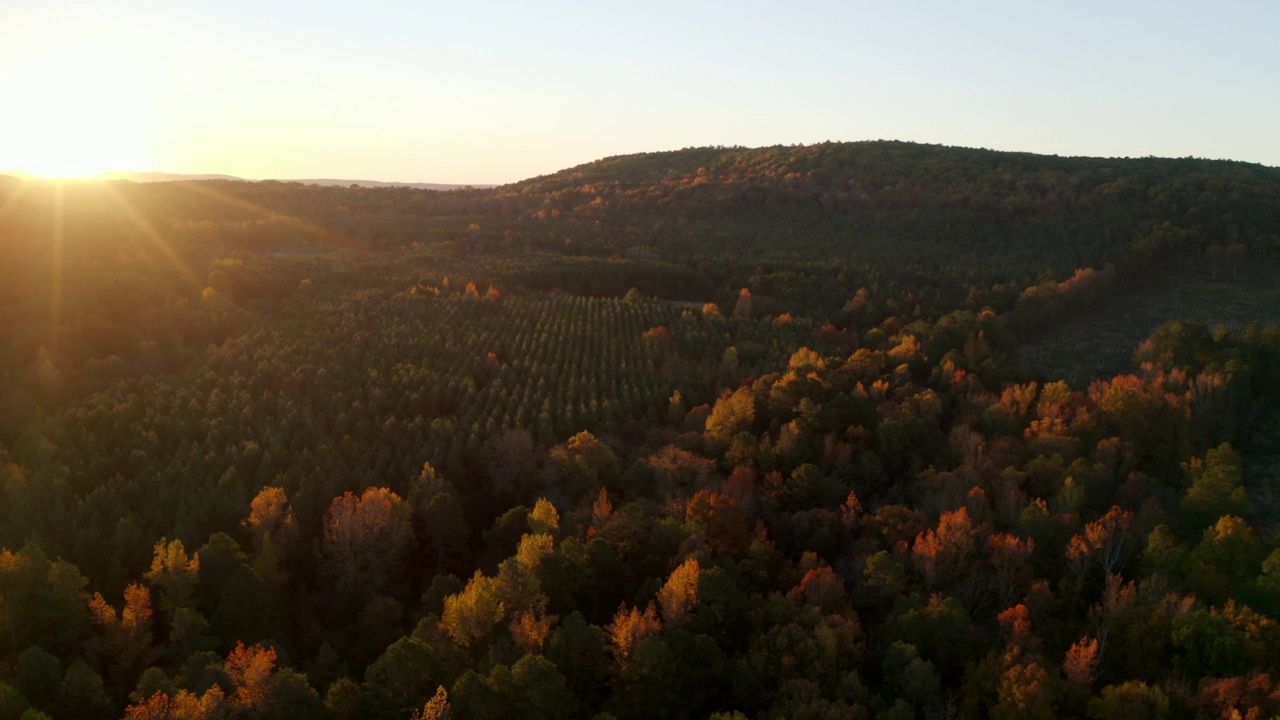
470	615
437	708
680	594
251	668
629	627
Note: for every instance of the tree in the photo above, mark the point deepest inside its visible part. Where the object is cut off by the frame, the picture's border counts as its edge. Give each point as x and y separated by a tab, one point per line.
185	705
679	595
1107	542
628	628
544	518
82	694
124	641
732	414
1026	690
271	518
291	697
542	688
822	589
579	650
402	679
1253	695
722	521
1081	663
580	466
276	536
510	456
437	708
250	669
365	542
944	553
1009	557
44	602
438	515
472	614
1226	560
1215	489
1132	700
175	575
39	676
916	680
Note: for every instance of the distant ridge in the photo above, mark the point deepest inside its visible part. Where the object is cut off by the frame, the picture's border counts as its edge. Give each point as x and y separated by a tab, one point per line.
381	184
146	177
143	177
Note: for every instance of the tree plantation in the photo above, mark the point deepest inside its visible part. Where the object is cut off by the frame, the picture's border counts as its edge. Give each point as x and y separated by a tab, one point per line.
717	433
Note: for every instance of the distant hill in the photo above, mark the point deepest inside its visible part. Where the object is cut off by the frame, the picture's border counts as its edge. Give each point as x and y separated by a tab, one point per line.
146	177
860	175
916	203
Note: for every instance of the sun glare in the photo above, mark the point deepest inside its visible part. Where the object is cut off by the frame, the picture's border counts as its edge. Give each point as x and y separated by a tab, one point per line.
72	116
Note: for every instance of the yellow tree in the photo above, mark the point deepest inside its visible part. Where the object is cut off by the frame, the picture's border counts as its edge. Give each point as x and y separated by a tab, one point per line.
679	595
124	642
174	574
629	627
732	414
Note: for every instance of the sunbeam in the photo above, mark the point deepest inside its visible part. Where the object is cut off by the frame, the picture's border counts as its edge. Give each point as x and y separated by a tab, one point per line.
55	280
156	240
21	189
312	229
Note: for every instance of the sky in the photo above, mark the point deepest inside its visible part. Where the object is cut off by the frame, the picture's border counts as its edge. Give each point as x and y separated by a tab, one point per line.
496	92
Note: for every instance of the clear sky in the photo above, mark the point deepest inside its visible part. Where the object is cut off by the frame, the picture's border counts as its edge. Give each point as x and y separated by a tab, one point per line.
494	92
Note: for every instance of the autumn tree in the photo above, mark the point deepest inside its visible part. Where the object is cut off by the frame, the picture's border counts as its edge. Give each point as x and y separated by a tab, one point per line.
1107	543
1026	689
732	414
679	595
944	553
471	615
1081	663
365	542
437	708
124	643
628	628
722	521
276	537
174	574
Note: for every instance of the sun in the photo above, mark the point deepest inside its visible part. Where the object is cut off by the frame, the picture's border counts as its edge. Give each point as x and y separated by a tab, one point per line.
72	116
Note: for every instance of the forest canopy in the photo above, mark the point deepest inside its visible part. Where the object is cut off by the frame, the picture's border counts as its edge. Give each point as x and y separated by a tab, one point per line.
720	432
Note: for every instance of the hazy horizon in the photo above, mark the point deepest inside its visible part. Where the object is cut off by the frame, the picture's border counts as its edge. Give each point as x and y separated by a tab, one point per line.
214	174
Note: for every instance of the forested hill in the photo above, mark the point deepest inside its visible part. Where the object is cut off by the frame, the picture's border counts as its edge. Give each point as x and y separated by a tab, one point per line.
847	176
997	214
850	177
717	433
